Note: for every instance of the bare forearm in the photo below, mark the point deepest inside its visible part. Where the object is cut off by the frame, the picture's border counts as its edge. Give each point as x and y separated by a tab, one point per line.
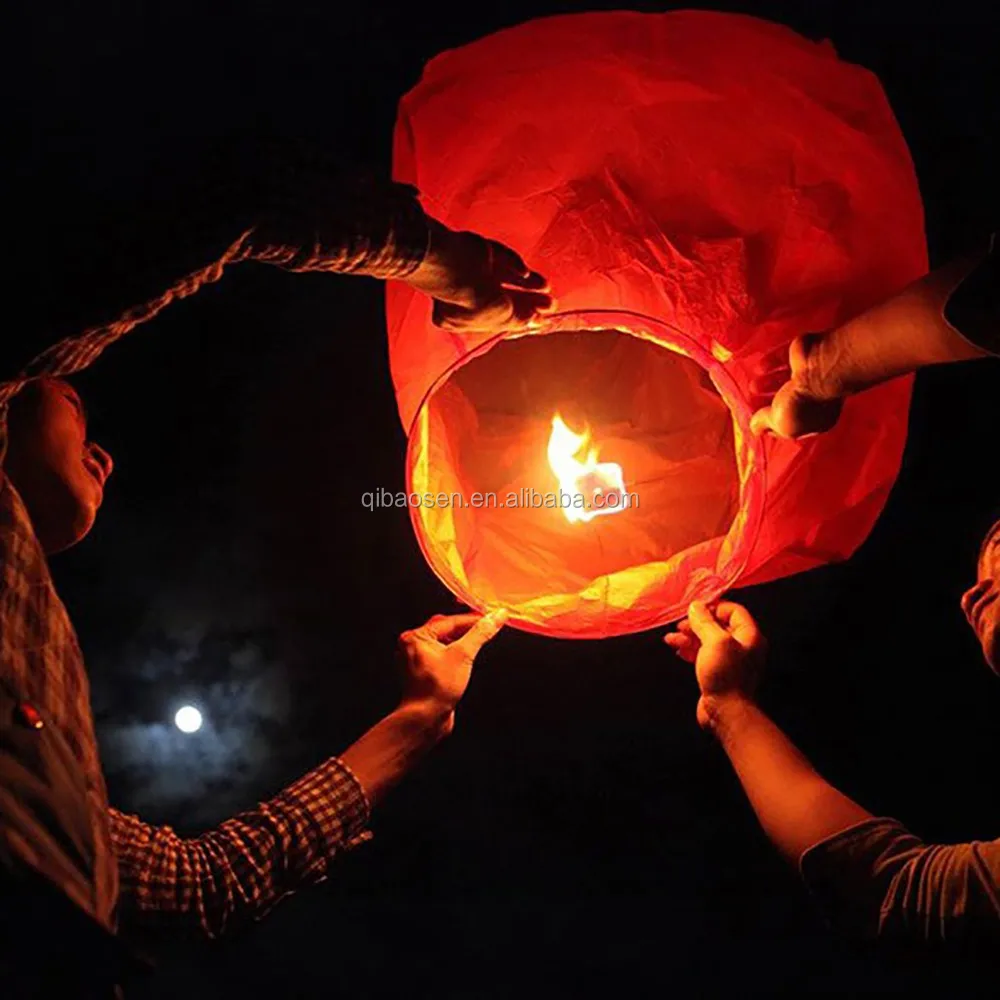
393	747
897	337
796	806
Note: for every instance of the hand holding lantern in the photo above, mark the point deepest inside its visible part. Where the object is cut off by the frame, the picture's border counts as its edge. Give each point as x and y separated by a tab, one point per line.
439	657
727	649
478	284
797	407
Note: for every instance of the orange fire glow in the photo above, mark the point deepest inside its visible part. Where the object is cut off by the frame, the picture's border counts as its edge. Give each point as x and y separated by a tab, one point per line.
594	487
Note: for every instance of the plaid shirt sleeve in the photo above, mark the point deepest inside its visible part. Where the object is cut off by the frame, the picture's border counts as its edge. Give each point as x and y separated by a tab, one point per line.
305	217
242	868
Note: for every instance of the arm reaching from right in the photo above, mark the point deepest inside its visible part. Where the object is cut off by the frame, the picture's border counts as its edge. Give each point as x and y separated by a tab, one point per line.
951	314
794	804
873	876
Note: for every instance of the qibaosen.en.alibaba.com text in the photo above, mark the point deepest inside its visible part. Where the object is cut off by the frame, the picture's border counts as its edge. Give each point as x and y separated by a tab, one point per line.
523	498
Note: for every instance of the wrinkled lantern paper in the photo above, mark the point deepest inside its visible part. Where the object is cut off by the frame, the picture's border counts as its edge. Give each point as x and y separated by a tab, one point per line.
699	188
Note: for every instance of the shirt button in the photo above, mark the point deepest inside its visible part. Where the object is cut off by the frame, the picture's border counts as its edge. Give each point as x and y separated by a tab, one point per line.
29	715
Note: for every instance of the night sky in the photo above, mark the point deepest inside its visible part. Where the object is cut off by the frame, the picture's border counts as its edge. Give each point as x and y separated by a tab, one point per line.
578	834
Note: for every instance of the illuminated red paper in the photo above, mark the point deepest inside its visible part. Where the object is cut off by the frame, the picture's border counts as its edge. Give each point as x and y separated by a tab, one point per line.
699	188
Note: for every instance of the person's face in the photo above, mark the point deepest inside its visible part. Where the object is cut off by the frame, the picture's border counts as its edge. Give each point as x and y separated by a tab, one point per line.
981	603
59	474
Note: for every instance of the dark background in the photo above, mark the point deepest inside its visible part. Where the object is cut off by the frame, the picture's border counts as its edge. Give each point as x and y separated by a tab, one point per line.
578	834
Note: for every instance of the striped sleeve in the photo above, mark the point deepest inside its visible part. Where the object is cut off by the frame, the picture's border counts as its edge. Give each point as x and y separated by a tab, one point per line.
305	216
243	867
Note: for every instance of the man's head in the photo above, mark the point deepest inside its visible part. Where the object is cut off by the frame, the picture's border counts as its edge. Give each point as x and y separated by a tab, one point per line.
59	474
981	603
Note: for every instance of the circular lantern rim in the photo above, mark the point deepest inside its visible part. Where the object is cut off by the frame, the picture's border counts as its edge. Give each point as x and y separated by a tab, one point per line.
643	327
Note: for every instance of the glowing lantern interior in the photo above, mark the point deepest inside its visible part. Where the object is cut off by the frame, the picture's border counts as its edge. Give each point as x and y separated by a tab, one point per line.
487	433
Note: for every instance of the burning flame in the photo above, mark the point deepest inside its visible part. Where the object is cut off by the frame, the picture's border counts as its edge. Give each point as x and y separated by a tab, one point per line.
594	487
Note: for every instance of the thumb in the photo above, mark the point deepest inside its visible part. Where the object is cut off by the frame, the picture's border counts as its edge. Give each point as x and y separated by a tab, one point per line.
761	421
482	632
703	623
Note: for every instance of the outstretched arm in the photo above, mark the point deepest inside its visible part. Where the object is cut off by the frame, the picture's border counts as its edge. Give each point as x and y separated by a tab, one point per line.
875	878
796	806
951	314
301	215
245	866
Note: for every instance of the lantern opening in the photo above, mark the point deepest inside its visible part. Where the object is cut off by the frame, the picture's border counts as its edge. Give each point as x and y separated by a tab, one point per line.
529	439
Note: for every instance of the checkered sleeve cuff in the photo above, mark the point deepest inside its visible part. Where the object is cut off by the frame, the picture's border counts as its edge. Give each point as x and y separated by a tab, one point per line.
331	809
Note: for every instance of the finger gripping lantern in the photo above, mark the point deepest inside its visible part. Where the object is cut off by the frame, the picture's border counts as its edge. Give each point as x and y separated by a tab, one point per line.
699	189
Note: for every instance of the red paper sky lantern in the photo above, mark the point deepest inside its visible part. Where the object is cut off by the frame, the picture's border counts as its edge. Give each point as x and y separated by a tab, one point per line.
699	188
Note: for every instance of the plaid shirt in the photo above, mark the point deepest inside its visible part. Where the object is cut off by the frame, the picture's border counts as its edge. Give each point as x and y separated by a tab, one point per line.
248	863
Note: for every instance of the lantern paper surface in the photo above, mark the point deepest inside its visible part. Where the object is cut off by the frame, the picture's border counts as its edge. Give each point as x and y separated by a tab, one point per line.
699	188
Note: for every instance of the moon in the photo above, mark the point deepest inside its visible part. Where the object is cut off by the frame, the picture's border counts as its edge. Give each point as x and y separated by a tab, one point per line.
188	719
